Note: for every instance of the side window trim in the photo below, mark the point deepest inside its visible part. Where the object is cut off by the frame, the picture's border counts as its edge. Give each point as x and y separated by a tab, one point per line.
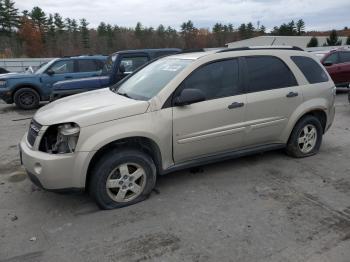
170	100
337	61
247	87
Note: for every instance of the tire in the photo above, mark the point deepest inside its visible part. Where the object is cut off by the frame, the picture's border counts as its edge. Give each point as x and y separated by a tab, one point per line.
110	171
27	98
303	144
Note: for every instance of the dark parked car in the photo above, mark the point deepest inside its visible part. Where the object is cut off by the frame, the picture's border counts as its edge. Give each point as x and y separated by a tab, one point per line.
27	89
337	63
3	71
118	66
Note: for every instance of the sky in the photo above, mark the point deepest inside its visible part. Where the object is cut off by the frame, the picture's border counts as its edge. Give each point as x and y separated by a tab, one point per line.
317	14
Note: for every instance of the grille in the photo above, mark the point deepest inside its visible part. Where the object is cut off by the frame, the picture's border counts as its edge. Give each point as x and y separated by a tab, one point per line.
33	132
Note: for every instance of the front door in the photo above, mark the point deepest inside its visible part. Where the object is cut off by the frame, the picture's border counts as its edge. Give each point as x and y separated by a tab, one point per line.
59	71
216	124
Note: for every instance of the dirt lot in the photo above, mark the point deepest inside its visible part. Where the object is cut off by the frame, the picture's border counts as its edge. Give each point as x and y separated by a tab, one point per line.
266	207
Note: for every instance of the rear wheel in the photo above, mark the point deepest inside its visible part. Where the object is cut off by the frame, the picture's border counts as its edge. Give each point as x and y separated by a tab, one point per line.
306	137
27	98
122	178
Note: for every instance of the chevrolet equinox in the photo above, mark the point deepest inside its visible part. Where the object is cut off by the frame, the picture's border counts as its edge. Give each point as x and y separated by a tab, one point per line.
179	112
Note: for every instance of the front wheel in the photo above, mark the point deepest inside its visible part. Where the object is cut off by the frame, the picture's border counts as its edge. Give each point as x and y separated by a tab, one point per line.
306	137
27	98
122	178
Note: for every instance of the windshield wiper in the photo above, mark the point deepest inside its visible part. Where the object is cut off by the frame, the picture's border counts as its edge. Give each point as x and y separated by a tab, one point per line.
124	94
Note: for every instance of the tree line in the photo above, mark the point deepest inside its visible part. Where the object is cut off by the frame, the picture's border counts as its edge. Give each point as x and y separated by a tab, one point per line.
33	33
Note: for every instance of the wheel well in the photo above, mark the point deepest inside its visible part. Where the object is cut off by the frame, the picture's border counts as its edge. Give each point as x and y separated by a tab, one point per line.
26	86
319	114
141	143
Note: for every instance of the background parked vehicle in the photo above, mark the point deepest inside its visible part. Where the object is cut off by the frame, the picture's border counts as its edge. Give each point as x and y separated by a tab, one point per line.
3	71
27	89
337	63
178	112
118	66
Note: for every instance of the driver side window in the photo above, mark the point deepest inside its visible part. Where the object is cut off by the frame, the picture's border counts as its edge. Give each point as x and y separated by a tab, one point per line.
132	63
216	80
63	67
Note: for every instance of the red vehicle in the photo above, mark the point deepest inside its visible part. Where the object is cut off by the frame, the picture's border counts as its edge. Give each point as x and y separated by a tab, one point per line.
337	63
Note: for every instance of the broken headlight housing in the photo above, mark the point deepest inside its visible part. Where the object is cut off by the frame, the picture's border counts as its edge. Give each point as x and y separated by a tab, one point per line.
60	139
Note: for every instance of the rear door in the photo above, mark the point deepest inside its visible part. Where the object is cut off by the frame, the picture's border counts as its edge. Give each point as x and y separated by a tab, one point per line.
272	96
216	124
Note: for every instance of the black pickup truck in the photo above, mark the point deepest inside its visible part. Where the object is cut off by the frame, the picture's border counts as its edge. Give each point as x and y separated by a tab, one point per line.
118	66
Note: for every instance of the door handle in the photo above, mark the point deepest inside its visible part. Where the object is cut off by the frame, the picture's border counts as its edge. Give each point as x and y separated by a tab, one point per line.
235	105
68	77
292	94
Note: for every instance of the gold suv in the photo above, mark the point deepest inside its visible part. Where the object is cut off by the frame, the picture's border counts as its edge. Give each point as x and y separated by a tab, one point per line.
178	112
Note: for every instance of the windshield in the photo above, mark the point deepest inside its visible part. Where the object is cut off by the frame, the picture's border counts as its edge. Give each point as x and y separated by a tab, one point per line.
44	66
108	67
147	82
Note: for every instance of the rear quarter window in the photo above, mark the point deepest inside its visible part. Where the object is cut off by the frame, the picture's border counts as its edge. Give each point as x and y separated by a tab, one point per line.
312	71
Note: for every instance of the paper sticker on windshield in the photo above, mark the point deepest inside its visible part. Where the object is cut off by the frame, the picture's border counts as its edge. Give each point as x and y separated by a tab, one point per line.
172	68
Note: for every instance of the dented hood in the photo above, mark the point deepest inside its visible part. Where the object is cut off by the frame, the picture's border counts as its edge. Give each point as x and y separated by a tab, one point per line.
90	108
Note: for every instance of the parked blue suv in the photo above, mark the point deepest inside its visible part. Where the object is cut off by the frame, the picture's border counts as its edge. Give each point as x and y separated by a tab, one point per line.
118	66
27	89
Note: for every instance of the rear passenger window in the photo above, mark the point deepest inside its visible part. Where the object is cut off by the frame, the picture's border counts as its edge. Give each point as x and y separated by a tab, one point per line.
344	57
87	65
312	71
215	80
268	72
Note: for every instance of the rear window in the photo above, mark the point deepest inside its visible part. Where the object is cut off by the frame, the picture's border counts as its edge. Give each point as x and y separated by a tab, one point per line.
268	72
313	72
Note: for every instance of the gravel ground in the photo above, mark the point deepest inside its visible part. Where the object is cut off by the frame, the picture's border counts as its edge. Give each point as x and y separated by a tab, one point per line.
265	207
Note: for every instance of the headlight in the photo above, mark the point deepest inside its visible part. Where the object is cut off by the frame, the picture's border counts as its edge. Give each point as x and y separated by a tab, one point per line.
60	139
2	82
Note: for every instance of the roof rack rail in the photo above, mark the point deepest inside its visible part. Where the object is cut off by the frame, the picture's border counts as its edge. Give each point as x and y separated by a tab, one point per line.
261	48
192	50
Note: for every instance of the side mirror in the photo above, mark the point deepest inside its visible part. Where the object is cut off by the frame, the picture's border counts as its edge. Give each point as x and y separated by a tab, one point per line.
189	96
327	63
50	72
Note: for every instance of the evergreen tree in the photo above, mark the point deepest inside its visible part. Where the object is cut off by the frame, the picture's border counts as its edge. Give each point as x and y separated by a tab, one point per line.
300	27
242	30
313	42
59	24
262	29
333	39
348	40
84	32
39	19
9	18
101	29
250	30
